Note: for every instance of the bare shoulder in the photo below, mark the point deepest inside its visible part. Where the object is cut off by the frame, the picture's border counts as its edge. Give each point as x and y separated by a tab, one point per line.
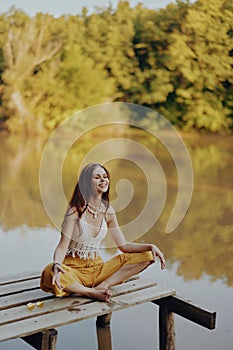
110	214
69	221
110	210
71	213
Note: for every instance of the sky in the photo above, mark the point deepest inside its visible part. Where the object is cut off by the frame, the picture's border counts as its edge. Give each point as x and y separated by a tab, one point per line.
60	7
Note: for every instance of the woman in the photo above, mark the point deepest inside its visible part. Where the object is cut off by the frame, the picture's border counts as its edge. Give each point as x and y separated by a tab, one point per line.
77	267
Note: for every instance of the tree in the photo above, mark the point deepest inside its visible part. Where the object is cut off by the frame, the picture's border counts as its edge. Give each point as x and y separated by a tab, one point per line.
109	40
47	76
80	80
202	65
27	46
177	60
151	41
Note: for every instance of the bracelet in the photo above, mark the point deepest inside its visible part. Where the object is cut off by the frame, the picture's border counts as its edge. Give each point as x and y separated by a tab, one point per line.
55	264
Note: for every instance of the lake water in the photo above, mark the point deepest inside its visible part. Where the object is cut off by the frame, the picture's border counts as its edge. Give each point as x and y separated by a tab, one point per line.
198	252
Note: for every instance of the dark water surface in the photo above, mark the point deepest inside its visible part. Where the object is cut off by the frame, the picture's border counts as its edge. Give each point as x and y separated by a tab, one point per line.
198	252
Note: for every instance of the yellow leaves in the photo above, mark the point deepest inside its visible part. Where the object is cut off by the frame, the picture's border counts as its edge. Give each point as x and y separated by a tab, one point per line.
130	53
141	46
201	62
206	112
184	93
31	306
170	59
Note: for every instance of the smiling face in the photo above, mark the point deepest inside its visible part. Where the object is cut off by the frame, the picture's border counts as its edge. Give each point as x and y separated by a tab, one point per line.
99	181
93	181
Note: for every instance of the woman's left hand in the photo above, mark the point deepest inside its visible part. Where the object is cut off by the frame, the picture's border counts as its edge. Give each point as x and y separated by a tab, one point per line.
157	253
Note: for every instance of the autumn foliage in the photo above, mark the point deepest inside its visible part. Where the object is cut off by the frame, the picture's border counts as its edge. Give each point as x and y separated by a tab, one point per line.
176	60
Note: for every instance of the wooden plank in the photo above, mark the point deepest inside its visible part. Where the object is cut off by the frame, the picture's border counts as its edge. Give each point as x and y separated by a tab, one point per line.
132	278
24	282
166	328
50	306
56	304
19	287
82	312
190	311
14	278
23	298
45	340
19	277
132	285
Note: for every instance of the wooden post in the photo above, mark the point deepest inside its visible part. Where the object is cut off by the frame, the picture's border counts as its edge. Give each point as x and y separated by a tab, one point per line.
166	328
104	320
45	340
189	311
104	338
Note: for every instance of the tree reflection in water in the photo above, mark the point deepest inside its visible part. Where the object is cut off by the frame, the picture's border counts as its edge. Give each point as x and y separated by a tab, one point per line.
201	244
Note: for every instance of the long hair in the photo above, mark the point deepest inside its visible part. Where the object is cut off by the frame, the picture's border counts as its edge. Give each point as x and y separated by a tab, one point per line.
82	191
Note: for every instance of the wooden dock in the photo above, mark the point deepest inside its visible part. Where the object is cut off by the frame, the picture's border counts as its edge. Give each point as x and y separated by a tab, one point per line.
37	326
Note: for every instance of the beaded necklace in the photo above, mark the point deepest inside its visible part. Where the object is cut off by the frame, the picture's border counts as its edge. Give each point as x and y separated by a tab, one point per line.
95	211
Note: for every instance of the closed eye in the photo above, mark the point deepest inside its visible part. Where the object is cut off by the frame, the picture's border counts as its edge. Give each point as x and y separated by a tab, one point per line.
99	176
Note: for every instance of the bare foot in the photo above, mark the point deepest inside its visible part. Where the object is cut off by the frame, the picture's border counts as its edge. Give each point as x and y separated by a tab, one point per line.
102	294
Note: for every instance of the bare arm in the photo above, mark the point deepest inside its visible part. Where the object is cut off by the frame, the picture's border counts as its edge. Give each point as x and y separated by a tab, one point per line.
60	251
130	247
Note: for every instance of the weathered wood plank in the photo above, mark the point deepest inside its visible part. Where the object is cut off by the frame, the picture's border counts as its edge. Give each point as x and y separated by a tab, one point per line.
56	304
51	305
19	277
75	314
132	285
190	311
19	287
22	298
23	276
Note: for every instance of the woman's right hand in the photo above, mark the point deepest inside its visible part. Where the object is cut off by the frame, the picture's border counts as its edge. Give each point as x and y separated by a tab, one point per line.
57	270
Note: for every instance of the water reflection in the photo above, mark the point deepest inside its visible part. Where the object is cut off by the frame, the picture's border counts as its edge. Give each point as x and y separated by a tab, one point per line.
19	193
201	245
104	338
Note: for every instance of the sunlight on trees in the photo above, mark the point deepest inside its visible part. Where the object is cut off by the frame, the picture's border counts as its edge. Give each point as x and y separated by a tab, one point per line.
176	60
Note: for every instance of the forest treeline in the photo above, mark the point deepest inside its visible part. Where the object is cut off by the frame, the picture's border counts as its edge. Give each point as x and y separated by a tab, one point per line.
177	61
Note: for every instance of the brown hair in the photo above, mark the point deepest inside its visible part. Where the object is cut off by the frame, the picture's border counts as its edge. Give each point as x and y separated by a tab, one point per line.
82	191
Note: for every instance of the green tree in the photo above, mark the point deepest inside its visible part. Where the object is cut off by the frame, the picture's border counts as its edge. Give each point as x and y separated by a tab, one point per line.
80	80
151	40
202	65
26	47
177	60
109	40
47	75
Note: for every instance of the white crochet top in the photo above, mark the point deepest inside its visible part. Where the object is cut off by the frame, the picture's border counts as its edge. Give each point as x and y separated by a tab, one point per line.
82	244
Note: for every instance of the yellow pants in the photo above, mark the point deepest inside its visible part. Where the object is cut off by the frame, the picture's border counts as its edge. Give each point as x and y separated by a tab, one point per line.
88	272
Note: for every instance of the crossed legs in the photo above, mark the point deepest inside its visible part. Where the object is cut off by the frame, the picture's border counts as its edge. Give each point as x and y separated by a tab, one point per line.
102	291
